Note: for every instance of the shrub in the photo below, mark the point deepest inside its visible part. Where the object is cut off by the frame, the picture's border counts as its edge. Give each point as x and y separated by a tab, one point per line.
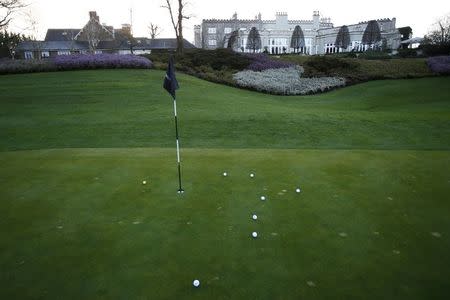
435	50
261	62
9	66
324	64
407	53
101	61
439	64
218	59
285	81
373	54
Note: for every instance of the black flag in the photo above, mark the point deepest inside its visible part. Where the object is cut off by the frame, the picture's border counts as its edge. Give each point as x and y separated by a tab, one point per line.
170	81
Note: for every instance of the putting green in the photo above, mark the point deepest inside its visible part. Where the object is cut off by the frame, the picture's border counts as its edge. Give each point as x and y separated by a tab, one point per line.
371	221
79	223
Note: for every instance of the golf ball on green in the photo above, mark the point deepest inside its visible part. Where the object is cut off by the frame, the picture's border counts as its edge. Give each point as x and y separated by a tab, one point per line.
196	283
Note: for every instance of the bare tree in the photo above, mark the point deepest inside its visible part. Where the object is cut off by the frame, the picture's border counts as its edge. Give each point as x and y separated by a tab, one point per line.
440	35
154	30
298	38
372	34
254	40
92	35
343	38
33	29
178	25
7	9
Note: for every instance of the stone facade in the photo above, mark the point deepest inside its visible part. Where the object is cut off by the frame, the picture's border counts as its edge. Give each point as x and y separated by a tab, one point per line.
319	33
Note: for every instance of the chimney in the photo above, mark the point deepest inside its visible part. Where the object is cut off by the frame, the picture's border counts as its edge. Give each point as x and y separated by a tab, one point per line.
316	20
93	15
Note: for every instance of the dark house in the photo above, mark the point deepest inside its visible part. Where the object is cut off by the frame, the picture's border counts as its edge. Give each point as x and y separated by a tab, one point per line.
94	37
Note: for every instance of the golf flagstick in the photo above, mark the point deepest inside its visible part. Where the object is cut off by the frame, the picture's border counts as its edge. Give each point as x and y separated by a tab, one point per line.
171	85
180	189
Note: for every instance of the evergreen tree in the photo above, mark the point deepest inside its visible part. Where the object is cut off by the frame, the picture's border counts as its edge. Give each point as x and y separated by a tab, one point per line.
254	40
9	42
343	38
233	40
298	38
372	34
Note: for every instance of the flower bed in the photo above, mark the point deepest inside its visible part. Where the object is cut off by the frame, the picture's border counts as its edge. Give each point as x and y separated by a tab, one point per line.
286	81
101	61
261	62
439	64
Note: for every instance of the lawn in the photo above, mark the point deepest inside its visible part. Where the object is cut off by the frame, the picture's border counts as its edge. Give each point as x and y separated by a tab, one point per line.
372	220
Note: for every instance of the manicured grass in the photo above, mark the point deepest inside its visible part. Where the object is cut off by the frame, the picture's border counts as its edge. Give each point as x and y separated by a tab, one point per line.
371	221
130	109
79	224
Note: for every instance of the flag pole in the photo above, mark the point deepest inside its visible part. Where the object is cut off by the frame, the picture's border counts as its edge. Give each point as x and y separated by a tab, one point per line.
180	189
171	85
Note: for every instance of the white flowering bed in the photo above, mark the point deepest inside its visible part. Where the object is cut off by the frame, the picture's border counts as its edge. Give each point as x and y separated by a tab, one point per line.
286	81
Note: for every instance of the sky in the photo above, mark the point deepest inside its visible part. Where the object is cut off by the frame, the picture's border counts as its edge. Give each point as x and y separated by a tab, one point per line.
420	15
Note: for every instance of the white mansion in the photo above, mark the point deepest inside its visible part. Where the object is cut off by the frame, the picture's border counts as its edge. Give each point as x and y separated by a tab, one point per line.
319	33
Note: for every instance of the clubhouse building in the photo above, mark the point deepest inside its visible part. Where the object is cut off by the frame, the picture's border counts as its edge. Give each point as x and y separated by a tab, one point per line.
319	34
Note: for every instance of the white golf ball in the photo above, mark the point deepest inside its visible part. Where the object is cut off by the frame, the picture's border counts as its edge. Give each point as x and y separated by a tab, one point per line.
144	182
252	175
263	198
196	283
254	234
225	174
254	217
298	190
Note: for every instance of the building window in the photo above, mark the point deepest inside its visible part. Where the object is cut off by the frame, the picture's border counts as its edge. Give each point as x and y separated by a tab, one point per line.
45	54
212	42
227	30
211	30
28	55
64	52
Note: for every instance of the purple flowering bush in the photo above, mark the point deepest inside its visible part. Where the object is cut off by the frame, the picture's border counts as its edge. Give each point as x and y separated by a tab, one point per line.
439	64
261	62
101	61
17	66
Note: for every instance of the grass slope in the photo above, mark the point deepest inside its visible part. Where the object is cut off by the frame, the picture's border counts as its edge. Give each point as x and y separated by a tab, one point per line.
78	223
130	109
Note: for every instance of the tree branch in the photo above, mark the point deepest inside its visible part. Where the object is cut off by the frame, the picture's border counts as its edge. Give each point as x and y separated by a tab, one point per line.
169	8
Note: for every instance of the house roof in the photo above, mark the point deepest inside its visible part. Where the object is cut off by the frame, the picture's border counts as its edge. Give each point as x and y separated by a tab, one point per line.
167	44
61	34
139	44
52	45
